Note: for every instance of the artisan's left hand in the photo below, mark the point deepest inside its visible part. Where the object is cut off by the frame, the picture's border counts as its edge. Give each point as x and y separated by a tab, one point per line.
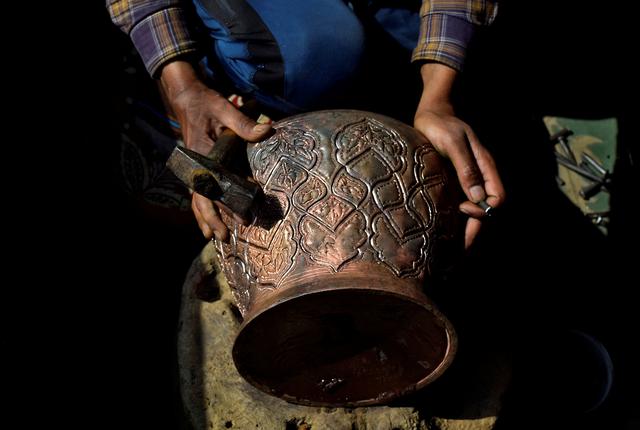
454	139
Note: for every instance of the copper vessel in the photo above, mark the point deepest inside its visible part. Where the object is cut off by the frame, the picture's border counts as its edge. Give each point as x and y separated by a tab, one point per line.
358	212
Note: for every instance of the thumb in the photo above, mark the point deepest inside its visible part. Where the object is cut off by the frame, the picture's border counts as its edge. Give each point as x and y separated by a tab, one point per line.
247	128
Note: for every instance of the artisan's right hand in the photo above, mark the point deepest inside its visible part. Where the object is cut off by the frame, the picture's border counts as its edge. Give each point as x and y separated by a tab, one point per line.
203	115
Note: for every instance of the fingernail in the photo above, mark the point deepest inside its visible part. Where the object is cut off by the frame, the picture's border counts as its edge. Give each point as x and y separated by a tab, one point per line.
477	193
465	211
261	128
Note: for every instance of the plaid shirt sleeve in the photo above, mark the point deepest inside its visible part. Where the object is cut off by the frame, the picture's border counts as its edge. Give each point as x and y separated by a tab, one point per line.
447	27
158	29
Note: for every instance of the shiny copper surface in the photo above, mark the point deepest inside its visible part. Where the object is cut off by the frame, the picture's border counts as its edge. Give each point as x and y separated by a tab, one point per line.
358	211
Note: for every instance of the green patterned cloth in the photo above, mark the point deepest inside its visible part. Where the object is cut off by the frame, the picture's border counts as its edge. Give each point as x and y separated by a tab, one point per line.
595	139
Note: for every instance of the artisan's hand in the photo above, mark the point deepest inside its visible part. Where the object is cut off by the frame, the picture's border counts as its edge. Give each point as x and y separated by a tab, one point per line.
455	140
203	114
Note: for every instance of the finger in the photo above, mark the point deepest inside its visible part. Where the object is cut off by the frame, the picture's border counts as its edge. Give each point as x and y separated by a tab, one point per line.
242	125
210	216
206	231
471	231
200	142
492	183
237	218
469	175
471	209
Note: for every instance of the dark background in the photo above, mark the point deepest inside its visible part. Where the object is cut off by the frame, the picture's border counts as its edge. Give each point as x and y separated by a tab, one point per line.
109	275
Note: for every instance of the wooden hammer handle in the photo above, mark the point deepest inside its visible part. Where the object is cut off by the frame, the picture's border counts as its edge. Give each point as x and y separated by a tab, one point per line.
229	141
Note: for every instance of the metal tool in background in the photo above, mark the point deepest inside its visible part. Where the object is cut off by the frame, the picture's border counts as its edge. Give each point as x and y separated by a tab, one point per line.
589	168
585	150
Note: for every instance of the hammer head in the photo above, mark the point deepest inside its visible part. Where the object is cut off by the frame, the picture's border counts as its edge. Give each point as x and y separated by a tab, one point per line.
562	134
209	178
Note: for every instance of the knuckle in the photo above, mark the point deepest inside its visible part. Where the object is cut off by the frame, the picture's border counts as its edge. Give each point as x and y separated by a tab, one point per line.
469	173
217	129
217	102
206	231
440	141
498	200
202	203
224	111
245	124
194	205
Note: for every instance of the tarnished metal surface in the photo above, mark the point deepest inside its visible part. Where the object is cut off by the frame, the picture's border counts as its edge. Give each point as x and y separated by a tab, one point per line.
215	396
358	210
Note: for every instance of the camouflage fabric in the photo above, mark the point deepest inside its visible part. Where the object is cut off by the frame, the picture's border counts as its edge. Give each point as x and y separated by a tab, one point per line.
592	145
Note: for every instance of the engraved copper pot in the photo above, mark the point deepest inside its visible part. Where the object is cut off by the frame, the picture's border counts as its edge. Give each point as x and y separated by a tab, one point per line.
329	277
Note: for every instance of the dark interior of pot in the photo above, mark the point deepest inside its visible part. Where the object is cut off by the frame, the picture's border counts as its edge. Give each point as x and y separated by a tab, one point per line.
346	347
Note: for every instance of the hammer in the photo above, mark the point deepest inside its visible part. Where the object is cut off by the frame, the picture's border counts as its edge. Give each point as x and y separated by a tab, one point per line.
561	137
210	177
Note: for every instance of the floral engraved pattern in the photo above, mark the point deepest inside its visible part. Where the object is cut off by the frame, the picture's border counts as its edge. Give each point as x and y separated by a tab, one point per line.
287	176
331	210
349	188
357	138
341	188
294	143
428	167
270	265
309	193
403	257
235	268
260	236
333	248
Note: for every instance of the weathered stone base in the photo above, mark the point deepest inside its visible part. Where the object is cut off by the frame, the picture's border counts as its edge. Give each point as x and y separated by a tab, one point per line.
216	397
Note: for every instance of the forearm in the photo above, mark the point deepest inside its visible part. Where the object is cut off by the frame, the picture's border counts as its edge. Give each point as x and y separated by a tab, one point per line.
438	81
176	77
159	29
